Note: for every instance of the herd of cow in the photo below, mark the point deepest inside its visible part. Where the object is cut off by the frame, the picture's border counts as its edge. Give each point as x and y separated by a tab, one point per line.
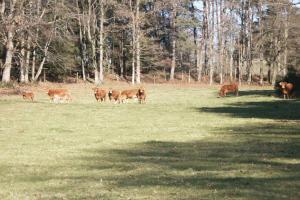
63	95
120	97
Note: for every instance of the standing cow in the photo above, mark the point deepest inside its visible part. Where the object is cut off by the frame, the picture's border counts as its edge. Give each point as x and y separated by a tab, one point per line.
286	89
28	95
100	94
114	95
232	88
59	95
141	95
128	94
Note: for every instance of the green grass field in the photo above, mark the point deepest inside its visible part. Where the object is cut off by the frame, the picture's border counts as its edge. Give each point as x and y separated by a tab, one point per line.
185	143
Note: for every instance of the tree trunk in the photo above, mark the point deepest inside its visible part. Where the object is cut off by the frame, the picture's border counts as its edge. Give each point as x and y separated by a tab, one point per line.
261	70
122	56
2	8
211	41
96	72
133	63
198	61
198	46
275	71
91	31
173	27
22	61
269	73
133	43
138	50
220	37
101	33
28	52
82	44
8	57
33	64
9	43
38	73
261	55
173	63
249	43
205	35
231	66
285	53
240	64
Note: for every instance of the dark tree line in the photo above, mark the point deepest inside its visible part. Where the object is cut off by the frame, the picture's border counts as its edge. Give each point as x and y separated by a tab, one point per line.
211	40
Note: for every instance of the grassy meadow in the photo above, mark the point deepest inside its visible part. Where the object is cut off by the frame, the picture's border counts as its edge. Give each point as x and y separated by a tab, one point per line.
184	143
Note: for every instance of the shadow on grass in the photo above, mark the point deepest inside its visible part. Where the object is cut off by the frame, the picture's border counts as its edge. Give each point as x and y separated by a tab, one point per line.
249	162
256	92
255	162
279	109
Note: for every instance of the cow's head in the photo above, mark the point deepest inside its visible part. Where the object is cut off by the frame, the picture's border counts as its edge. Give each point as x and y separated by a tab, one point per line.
141	91
283	84
221	93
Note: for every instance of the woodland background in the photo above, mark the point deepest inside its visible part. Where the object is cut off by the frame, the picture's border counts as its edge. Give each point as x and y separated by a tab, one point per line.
209	41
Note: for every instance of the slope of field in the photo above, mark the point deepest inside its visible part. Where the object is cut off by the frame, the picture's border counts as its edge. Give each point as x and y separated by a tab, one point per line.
185	143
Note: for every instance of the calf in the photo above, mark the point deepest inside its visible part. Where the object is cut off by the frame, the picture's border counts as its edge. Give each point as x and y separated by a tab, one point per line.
286	89
28	95
232	88
128	94
141	95
114	95
100	94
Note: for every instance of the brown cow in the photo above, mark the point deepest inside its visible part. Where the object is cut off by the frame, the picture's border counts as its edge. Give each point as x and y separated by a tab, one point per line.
141	95
28	95
100	94
128	94
286	89
114	95
59	94
61	98
232	88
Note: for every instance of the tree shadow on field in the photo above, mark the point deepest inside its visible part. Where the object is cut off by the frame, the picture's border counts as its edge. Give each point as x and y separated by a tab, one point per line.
278	109
250	162
264	163
256	92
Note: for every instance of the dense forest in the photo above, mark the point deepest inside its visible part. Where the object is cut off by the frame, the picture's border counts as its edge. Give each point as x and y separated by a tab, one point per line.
210	41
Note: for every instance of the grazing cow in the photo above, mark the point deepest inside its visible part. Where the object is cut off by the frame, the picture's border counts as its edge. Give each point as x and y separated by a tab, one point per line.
141	95
61	98
114	95
28	95
128	94
59	95
286	89
232	88
100	94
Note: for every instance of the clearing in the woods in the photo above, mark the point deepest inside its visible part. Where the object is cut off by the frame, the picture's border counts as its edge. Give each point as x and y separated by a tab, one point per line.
184	143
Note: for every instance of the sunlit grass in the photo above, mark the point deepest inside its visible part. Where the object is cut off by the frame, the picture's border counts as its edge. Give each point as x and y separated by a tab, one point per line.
185	143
